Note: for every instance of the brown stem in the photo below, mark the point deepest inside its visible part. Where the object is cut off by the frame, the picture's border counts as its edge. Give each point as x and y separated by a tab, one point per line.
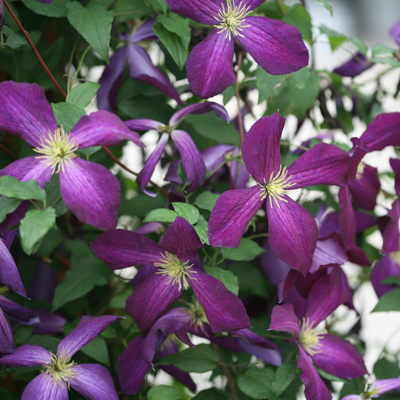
8	151
241	130
34	49
226	372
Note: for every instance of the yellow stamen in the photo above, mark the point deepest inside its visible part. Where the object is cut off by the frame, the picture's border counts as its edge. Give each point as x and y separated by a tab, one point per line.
360	170
197	315
309	337
59	369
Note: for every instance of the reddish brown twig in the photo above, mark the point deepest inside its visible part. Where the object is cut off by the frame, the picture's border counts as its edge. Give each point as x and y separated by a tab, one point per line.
8	152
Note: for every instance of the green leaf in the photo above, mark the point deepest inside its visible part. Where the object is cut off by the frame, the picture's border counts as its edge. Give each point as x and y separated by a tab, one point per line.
392	280
206	200
97	349
53	195
55	9
14	40
161	215
119	301
329	377
202	229
386	60
131	9
7	206
6	395
80	279
300	18
82	95
326	5
67	115
266	83
187	211
163	392
248	250
140	205
94	24
34	226
360	45
380	49
201	358
29	190
173	43
160	5
390	301
211	394
284	375
178	25
385	369
230	281
256	383
50	242
50	343
335	38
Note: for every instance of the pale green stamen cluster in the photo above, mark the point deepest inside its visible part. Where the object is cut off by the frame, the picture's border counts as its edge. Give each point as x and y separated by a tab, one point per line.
59	369
369	394
231	19
309	337
197	315
57	149
360	170
277	186
178	271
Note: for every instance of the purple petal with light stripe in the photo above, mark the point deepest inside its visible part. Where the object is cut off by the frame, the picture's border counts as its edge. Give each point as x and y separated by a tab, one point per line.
25	111
191	159
384	385
17	312
365	188
284	319
391	235
214	156
292	233
93	381
328	253
87	329
91	192
224	310
353	67
261	147
144	32
27	355
6	336
202	11
209	65
102	128
231	214
143	124
384	268
43	387
352	397
200	108
252	4
339	358
122	249
347	219
276	46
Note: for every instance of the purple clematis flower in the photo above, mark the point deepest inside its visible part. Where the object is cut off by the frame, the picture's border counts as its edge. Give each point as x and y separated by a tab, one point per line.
140	67
190	155
89	190
170	267
395	32
376	389
355	66
92	381
292	229
274	45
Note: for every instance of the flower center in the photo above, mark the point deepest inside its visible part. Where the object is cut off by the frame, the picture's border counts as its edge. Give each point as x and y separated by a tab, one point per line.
309	337
277	186
57	149
59	369
395	256
231	18
197	315
360	170
177	270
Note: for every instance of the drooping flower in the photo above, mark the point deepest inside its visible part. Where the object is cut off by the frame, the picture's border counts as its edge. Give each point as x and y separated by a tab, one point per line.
292	229
92	381
376	389
169	267
89	190
274	45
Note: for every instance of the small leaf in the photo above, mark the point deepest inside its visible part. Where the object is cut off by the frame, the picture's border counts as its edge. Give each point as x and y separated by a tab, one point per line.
284	375
55	9
34	227
206	200
7	206
161	215
97	349
230	281
380	49
30	190
187	211
163	392
82	95
53	194
360	45
211	394
256	383
326	5
329	377
392	280
14	40
335	38
300	18
248	250
390	301
266	84
202	229
67	115
178	25
88	151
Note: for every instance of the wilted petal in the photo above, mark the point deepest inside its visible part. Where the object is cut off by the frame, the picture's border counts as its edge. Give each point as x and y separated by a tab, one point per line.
25	111
200	108
384	385
292	233
94	382
27	355
215	155
91	192
384	268
202	11
43	387
276	46
353	67
339	358
284	319
231	214
87	329
261	147
391	235
224	310
209	66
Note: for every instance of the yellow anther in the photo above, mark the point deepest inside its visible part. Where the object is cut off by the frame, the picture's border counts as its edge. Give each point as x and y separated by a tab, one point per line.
59	369
309	337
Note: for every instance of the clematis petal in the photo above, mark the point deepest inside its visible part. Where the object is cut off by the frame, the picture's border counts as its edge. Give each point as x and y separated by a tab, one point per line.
150	300
352	397
132	369
87	329
191	158
353	67
49	324
202	11
384	268
27	355
224	310
17	312
94	382
209	65
252	4
395	164
384	385
323	164
286	286
276	46
6	336
181	376
200	108
43	387
340	358
122	249
347	219
143	124
141	68
391	235
261	147
357	153
181	239
25	111
91	192
145	174
111	79
292	233
328	253
395	32
315	388
102	128
231	214
144	32
214	156
284	319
